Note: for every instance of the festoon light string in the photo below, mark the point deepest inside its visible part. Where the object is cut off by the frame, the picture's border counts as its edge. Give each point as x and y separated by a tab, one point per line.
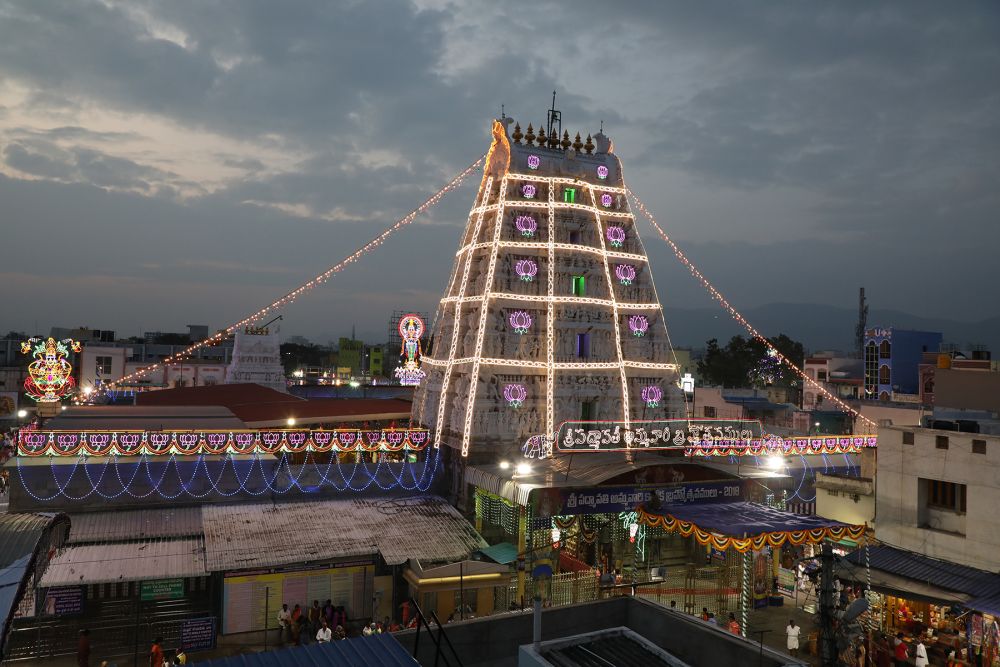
735	314
318	280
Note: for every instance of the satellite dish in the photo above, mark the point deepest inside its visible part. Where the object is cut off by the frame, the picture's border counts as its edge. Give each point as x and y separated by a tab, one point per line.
855	609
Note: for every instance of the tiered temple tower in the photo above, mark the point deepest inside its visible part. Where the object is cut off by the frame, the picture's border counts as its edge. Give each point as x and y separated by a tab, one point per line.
550	314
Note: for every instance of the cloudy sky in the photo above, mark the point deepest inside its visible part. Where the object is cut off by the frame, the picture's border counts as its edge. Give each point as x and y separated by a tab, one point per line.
188	161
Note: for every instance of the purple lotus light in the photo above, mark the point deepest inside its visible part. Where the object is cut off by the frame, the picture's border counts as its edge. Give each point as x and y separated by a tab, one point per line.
616	235
652	395
526	269
515	394
526	225
625	273
638	324
607	200
529	191
602	172
520	320
534	161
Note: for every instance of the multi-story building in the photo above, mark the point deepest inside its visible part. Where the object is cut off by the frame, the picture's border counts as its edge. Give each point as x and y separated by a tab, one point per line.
937	492
841	376
892	360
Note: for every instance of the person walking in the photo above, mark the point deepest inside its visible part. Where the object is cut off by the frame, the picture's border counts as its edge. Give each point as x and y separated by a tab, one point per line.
83	649
324	634
156	653
920	655
792	632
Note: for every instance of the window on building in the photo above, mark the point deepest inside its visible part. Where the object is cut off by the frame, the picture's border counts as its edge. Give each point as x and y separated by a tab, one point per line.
945	495
579	286
821	375
574	236
587	411
569	195
709	411
885	350
978	446
941	441
884	374
102	366
583	345
907	437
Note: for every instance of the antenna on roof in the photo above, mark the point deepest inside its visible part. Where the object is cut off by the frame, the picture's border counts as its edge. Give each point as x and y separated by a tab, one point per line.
555	118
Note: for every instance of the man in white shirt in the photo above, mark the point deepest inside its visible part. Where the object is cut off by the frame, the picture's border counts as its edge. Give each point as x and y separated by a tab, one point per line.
793	631
324	634
284	622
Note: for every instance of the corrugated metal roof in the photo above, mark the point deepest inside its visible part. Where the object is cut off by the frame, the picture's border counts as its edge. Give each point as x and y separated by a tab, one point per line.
618	646
19	539
264	535
374	651
126	561
925	569
19	534
124	525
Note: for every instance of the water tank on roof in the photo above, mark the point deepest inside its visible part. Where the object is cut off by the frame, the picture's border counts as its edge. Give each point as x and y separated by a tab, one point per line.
944	361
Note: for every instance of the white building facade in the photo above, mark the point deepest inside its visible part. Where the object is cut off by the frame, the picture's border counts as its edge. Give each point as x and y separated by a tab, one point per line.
938	493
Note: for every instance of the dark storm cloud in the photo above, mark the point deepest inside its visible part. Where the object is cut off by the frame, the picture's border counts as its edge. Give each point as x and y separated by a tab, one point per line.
830	138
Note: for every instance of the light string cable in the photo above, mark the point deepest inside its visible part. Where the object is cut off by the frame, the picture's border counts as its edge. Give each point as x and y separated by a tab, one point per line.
267	480
318	280
735	314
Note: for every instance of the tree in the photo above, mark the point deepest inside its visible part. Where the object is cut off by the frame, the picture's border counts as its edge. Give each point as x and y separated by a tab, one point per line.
745	362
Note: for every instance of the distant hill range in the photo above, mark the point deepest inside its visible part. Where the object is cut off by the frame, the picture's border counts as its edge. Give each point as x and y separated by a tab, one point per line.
820	327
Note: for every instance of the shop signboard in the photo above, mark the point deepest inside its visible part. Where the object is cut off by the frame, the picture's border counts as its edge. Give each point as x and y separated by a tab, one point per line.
611	436
786	581
603	500
198	634
162	589
63	601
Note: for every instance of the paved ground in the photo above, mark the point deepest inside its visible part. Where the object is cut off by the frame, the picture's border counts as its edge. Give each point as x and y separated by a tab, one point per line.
773	621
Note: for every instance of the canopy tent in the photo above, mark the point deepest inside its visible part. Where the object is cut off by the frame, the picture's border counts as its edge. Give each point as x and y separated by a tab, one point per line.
746	526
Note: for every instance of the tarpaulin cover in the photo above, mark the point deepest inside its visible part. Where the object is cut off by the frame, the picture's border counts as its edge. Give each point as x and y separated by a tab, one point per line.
744	526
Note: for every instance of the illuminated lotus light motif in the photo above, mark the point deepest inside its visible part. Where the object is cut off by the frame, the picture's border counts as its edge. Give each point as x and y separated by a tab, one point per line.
638	324
515	394
607	200
616	236
526	269
526	225
520	320
534	161
652	395
602	172
49	375
529	191
625	273
411	328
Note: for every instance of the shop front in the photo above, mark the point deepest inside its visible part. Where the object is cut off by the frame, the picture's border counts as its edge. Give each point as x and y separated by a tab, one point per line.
946	606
